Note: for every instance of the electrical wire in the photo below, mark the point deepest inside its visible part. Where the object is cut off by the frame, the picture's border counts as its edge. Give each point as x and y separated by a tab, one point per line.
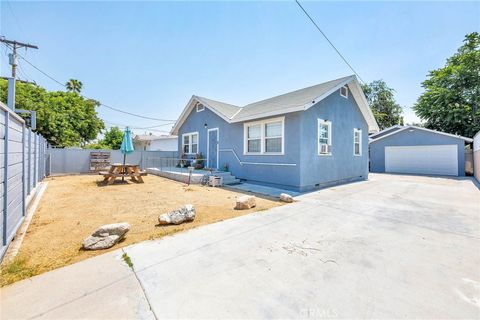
330	42
101	104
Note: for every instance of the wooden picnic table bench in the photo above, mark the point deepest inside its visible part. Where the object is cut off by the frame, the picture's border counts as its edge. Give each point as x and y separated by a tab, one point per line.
117	171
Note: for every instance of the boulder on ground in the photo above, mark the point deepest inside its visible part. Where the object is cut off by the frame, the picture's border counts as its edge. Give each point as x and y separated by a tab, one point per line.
184	214
245	202
285	197
106	236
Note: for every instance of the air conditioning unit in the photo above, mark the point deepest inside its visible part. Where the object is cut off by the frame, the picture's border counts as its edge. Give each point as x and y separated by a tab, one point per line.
215	181
324	149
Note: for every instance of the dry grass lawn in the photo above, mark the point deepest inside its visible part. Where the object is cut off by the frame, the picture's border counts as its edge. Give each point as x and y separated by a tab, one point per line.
74	206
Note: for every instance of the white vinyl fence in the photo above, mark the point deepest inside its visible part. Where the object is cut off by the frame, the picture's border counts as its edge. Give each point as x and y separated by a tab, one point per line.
72	161
22	166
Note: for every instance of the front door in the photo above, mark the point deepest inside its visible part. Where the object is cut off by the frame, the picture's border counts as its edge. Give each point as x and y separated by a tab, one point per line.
212	148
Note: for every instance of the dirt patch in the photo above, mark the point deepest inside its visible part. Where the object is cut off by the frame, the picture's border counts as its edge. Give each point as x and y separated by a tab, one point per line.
74	206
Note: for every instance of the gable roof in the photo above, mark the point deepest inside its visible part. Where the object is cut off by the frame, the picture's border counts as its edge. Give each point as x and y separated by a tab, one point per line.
298	100
385	131
403	128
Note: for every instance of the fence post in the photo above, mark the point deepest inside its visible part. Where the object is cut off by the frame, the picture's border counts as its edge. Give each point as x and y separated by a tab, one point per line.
29	160
5	178
24	196
35	151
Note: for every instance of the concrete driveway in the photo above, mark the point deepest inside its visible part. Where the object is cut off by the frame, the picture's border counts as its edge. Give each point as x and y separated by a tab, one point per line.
391	247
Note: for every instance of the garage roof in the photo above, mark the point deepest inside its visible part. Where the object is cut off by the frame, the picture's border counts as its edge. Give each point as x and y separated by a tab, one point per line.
397	128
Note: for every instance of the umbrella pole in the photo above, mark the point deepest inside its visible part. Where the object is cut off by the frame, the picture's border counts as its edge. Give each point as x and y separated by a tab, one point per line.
124	157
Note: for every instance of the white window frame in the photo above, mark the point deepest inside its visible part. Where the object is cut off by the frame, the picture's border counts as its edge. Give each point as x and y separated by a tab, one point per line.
355	130
346	92
329	142
262	124
201	108
190	134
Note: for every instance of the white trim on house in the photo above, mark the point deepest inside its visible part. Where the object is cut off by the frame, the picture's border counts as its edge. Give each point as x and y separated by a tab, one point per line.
202	107
190	135
351	82
262	124
186	112
424	129
346	92
329	137
359	131
208	146
258	163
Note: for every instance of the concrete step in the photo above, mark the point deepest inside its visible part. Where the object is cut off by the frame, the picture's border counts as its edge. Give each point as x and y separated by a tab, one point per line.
229	179
230	182
222	174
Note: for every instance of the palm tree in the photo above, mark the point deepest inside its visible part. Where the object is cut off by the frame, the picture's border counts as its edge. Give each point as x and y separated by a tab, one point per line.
74	85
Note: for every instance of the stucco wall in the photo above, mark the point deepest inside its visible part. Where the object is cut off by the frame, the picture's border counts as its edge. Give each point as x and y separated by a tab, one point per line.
413	137
170	144
300	167
342	165
476	156
277	170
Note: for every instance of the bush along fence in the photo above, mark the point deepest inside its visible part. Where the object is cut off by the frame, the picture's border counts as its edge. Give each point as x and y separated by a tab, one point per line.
22	165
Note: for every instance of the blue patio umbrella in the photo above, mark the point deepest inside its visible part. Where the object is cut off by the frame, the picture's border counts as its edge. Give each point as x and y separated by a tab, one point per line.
127	146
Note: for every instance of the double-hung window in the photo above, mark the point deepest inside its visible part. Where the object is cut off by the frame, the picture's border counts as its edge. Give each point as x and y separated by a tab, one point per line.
264	137
324	137
190	143
254	138
357	142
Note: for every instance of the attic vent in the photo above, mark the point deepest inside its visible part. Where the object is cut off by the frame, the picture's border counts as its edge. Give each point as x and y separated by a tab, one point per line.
200	107
344	91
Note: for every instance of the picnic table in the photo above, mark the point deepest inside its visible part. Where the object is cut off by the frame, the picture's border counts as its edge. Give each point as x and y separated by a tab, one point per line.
117	171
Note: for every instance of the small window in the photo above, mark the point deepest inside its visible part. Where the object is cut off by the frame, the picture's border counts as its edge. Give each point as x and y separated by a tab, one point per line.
273	137
190	143
200	107
324	137
344	91
254	139
357	142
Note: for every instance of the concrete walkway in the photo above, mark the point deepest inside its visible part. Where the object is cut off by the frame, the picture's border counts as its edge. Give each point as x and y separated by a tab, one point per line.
103	287
391	247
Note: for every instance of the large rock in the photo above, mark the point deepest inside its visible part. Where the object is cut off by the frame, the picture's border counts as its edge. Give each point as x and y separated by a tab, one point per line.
184	214
285	197
245	202
106	236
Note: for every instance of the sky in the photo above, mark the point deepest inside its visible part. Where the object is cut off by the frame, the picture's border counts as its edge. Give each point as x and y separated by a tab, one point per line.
149	58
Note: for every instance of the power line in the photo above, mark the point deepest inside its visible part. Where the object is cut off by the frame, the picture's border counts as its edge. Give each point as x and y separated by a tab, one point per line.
325	36
101	104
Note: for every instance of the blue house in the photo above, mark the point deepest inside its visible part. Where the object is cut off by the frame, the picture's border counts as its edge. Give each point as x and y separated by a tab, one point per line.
302	140
416	150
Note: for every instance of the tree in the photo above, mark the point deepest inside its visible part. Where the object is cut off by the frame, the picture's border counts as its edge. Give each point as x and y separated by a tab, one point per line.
65	119
386	110
451	99
112	138
74	85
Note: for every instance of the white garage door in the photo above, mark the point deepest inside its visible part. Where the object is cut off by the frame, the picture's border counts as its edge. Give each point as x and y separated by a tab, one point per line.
440	159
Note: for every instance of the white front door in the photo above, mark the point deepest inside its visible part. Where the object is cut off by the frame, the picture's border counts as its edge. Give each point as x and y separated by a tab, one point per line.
436	159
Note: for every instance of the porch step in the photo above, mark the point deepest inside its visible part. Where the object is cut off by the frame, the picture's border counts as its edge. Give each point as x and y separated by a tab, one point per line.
227	177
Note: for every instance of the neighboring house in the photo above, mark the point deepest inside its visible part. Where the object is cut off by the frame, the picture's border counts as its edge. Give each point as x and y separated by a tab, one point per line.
302	140
150	142
416	150
476	156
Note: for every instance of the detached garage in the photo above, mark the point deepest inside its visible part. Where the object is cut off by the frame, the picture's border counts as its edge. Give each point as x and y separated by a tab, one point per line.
415	150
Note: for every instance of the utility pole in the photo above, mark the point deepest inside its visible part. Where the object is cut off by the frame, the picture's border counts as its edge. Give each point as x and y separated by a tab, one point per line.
13	56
